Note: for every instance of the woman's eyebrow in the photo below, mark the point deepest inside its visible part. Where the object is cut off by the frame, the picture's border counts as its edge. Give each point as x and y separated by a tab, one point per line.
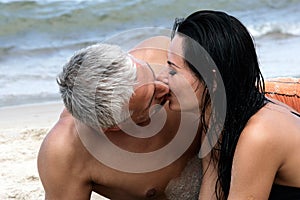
172	64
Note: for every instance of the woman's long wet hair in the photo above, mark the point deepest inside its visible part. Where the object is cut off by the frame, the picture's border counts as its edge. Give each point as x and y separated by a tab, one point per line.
231	47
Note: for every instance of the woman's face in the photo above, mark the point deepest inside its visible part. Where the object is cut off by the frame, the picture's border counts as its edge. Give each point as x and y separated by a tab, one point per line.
185	88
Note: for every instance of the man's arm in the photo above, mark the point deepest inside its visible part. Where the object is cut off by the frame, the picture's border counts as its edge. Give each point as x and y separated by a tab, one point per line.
62	172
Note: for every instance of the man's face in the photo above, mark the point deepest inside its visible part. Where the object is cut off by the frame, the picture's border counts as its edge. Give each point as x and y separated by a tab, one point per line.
147	93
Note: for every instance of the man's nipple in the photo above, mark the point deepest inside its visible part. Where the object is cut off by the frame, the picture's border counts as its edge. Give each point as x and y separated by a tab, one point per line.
151	193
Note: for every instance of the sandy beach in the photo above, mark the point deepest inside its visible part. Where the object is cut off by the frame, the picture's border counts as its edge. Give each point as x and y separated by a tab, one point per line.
22	129
38	36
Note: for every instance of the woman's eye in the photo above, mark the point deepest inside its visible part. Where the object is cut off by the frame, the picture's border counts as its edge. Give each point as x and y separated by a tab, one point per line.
172	72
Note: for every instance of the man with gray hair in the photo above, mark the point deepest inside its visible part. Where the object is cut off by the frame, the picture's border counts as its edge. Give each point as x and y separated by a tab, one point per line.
102	143
96	83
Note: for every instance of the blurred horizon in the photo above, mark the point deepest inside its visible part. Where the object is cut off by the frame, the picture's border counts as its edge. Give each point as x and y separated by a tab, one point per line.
37	37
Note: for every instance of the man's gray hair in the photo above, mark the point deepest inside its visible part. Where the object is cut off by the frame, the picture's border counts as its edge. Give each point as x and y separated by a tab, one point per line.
97	83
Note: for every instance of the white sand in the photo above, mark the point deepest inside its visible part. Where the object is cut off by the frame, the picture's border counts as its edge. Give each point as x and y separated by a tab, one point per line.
22	130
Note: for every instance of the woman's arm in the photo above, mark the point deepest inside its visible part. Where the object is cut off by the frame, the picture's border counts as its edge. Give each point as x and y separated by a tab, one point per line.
257	158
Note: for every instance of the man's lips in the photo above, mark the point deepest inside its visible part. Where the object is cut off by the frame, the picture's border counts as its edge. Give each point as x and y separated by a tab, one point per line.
165	99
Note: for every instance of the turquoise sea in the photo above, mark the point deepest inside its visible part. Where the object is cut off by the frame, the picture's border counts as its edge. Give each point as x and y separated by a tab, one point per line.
37	37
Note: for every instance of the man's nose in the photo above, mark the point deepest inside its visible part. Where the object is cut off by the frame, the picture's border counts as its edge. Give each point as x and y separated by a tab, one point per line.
163	76
161	89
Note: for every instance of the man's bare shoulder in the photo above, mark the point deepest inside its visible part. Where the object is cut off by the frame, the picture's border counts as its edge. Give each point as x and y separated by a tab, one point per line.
61	162
152	50
59	146
157	42
62	137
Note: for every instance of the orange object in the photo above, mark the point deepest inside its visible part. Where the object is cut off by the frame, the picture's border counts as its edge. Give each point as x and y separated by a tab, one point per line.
286	90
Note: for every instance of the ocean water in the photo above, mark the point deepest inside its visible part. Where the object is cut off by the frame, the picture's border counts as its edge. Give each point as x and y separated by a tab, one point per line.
38	37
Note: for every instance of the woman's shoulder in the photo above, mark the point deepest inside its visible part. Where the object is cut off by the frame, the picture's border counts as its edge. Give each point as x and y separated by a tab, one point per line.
272	125
274	116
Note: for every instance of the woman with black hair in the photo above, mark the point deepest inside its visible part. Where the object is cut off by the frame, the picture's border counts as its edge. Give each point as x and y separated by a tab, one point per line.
257	152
